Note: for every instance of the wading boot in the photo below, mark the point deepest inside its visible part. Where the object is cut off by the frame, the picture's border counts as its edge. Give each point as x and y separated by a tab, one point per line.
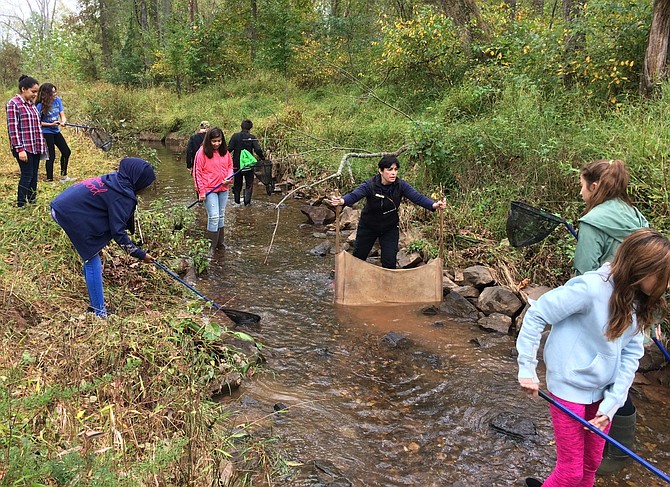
247	196
622	430
213	240
219	240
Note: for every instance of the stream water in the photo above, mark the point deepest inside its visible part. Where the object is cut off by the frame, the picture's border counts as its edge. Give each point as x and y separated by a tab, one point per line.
361	411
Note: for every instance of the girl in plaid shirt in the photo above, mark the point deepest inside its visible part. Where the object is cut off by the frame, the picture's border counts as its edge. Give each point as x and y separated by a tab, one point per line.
25	137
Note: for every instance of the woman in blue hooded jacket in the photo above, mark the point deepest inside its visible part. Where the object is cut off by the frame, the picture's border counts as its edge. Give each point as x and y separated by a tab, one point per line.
100	209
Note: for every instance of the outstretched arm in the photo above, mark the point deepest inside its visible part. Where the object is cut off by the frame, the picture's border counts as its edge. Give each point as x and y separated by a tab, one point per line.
350	198
409	192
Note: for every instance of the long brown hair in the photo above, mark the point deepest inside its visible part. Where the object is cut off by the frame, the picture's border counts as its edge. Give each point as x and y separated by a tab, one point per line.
612	178
643	253
46	97
207	147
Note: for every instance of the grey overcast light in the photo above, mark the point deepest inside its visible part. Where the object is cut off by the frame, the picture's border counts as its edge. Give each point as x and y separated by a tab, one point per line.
21	8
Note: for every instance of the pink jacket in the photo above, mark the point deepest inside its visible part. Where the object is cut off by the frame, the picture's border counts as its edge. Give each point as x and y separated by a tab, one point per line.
210	173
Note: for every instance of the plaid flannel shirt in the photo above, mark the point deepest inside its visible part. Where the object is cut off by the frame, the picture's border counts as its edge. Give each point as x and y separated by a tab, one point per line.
24	127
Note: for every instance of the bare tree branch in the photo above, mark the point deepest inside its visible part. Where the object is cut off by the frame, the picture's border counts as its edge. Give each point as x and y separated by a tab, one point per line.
35	23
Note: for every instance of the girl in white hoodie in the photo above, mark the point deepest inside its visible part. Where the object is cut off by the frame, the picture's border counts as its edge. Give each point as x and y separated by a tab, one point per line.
594	347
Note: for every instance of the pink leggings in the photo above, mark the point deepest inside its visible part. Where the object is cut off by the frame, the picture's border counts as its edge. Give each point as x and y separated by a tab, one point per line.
578	451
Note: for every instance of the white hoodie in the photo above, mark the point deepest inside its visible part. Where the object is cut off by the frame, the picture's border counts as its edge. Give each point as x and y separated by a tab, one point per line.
583	366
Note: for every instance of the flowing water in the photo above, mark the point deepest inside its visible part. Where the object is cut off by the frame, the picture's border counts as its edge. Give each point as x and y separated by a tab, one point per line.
366	410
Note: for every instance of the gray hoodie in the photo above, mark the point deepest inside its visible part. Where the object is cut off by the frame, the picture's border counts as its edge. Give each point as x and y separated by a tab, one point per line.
602	230
583	365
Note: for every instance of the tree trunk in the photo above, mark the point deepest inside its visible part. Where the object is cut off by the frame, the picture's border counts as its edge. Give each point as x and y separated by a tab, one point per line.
465	14
656	56
105	35
144	25
403	9
192	10
334	8
512	9
253	37
572	12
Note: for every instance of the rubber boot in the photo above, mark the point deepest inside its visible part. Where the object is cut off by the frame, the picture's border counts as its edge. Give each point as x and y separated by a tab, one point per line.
236	195
213	240
219	240
247	196
531	482
622	430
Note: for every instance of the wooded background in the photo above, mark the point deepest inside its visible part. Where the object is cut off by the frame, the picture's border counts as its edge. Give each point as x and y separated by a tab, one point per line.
613	47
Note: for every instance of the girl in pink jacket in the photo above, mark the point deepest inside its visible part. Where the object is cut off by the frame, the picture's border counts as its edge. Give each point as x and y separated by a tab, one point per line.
212	172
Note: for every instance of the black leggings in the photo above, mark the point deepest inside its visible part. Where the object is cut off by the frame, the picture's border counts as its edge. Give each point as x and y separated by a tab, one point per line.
388	241
53	141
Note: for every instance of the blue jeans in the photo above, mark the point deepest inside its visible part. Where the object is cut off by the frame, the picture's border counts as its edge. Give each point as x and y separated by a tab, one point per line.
93	277
28	180
215	204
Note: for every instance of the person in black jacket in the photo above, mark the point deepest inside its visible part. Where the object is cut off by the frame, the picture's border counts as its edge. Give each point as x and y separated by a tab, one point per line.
194	143
237	143
379	218
100	209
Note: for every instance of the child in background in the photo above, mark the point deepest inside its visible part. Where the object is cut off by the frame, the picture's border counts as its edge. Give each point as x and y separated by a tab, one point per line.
25	137
244	140
610	215
97	210
52	117
594	347
194	143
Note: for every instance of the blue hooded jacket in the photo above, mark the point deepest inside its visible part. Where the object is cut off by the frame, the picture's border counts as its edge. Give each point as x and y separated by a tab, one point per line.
97	210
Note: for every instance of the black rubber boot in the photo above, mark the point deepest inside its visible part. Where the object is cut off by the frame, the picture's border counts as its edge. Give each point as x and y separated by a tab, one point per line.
213	240
219	240
531	482
623	431
247	196
236	196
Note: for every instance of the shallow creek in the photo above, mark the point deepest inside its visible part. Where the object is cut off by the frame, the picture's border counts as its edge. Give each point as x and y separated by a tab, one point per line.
363	410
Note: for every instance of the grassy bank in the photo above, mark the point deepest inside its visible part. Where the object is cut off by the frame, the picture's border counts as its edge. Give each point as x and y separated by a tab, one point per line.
122	401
